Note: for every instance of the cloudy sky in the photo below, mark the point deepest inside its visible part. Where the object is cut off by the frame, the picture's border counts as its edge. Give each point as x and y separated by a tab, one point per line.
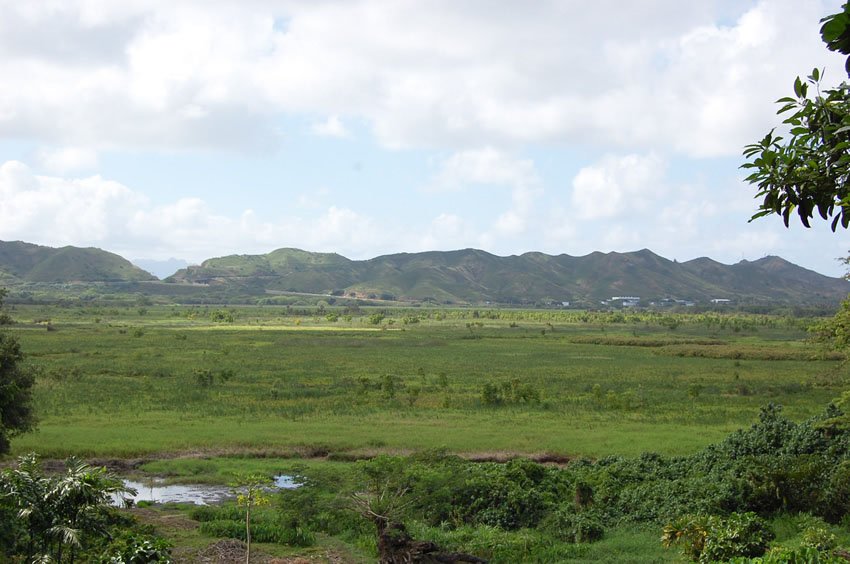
160	129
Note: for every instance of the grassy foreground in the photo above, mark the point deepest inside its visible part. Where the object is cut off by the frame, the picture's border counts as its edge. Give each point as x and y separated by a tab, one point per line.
149	380
275	391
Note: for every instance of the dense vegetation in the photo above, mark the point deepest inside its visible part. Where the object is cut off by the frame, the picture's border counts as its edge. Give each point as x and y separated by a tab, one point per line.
593	391
777	488
67	517
523	511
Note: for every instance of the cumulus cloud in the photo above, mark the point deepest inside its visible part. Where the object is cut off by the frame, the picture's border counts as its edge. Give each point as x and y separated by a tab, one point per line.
490	166
485	166
195	74
445	232
94	211
618	186
67	159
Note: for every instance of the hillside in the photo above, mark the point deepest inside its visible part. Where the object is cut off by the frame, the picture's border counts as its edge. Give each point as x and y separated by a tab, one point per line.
475	276
25	262
467	276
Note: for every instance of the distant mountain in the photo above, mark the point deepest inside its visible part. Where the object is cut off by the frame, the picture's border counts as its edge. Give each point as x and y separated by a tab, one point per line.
25	262
468	276
474	276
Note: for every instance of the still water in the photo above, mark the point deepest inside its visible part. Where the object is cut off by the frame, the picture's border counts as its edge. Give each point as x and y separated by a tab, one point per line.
199	494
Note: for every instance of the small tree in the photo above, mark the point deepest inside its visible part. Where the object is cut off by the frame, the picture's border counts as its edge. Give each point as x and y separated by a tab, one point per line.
16	414
5	319
59	512
251	492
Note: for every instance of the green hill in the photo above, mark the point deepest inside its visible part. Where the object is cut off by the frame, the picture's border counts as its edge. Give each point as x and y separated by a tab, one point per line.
25	262
467	276
475	276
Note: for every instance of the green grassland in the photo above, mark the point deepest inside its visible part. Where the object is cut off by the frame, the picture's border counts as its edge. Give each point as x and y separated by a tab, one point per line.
144	381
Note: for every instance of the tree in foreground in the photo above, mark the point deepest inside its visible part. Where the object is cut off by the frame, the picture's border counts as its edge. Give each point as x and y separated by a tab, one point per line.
59	516
16	382
807	170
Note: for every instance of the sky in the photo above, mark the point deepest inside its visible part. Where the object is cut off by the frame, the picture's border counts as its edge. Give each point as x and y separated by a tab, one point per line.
194	129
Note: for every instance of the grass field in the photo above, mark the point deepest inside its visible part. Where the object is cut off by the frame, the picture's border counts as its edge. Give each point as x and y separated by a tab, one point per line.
151	380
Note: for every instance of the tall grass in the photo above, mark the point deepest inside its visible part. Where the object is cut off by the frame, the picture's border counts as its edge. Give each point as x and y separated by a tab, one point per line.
134	381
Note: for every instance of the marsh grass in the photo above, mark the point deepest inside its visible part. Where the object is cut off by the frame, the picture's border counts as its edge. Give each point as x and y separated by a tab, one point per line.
113	381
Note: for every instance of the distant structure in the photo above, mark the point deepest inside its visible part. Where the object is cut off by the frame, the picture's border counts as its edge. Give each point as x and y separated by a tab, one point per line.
670	302
720	301
626	301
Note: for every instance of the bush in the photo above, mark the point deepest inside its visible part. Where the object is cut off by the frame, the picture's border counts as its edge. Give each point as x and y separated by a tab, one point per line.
574	527
819	538
784	555
718	539
741	534
132	548
221	316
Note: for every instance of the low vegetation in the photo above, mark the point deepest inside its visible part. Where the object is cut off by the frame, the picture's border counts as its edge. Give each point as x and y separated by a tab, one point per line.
286	380
439	421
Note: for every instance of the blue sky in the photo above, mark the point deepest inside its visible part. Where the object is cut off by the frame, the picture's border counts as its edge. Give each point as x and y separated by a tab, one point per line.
160	129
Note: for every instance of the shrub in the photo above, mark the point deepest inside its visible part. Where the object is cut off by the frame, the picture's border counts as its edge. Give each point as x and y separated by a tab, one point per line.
132	548
221	316
574	527
718	539
785	555
819	538
740	534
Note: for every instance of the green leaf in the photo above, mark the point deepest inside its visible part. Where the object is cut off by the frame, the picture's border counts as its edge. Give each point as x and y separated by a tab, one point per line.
832	30
798	87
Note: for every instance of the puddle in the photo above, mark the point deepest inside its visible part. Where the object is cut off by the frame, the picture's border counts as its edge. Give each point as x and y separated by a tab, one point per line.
199	494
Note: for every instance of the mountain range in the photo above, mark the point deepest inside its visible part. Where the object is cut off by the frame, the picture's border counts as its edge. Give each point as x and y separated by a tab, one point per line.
474	276
468	276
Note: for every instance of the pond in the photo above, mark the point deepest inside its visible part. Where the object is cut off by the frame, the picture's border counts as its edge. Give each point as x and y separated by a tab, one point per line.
199	494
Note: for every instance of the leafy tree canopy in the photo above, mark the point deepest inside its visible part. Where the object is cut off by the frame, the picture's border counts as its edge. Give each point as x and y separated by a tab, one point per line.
5	319
16	414
807	170
835	32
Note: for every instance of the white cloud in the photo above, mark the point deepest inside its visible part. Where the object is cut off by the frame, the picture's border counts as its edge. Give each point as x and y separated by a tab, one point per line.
665	76
618	186
748	244
492	167
485	166
332	127
95	211
67	159
58	211
445	232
